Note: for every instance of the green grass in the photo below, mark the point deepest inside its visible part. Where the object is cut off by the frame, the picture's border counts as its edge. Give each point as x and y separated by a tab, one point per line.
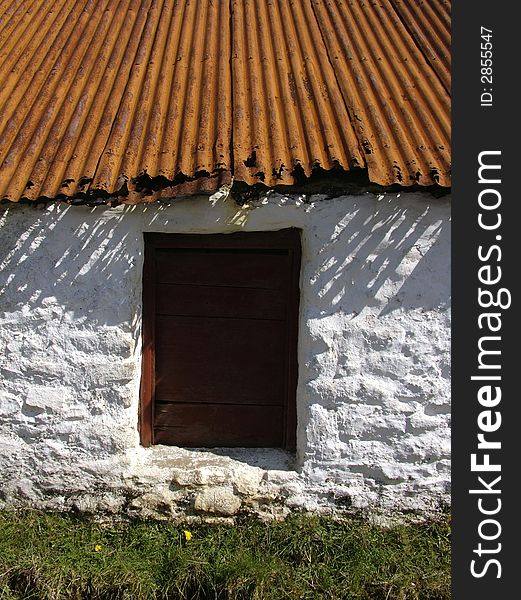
55	557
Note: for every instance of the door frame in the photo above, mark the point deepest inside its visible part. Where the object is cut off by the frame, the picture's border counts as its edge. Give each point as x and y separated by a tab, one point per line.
285	239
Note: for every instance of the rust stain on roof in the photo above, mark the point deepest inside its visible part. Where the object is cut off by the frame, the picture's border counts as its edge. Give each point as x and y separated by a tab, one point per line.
136	100
429	24
398	105
287	107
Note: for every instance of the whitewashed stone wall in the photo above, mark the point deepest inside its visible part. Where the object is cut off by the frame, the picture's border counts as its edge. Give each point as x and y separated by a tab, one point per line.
374	363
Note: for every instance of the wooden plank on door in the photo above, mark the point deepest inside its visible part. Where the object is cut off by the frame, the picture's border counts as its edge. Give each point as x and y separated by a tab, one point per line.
210	425
219	301
220	360
223	268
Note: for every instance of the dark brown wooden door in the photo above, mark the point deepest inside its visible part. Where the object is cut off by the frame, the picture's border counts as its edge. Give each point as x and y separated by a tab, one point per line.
220	314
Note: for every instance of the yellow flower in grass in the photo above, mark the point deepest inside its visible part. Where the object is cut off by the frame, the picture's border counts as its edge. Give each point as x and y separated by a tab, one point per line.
188	535
98	548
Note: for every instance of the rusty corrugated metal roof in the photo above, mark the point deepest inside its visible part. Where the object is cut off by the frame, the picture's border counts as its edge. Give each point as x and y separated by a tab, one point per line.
137	99
429	24
396	101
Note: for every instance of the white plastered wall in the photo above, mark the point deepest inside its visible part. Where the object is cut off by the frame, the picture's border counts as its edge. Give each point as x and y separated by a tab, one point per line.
373	397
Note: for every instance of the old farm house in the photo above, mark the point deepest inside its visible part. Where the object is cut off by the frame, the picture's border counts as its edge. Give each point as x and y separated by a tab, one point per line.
224	255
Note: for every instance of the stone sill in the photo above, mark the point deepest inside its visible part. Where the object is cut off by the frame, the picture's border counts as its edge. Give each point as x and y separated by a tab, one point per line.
267	459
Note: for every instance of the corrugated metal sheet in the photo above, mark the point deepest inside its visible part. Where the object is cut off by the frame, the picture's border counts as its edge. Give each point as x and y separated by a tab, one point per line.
398	105
137	99
114	95
287	106
429	24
